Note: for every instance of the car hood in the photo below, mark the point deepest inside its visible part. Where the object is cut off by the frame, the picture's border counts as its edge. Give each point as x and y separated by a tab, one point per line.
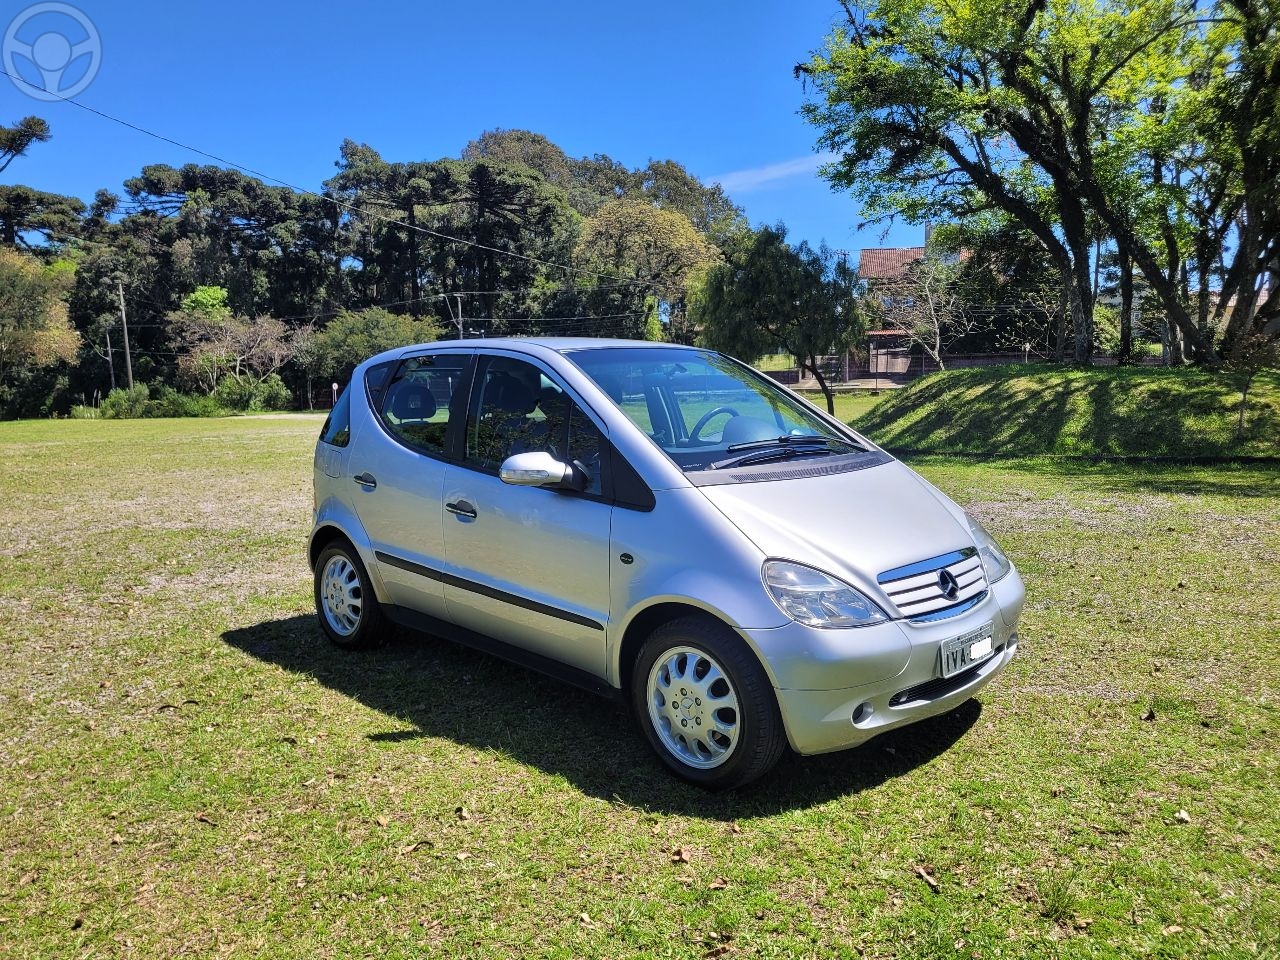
853	525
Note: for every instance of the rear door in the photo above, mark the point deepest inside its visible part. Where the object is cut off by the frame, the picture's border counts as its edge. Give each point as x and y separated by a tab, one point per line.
399	468
528	565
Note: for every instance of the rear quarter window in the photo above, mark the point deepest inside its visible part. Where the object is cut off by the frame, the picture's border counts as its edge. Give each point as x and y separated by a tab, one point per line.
337	427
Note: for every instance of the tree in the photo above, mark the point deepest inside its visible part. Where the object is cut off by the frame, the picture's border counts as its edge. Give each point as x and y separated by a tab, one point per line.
16	140
1065	116
272	249
215	344
1259	353
1007	283
401	217
659	249
34	331
669	186
1244	111
926	306
768	295
24	209
354	336
522	148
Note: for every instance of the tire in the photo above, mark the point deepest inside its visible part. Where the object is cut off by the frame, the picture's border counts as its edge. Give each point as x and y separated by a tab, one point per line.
705	704
346	607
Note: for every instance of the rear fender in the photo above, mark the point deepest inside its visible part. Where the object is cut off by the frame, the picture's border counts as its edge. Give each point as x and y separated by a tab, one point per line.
335	518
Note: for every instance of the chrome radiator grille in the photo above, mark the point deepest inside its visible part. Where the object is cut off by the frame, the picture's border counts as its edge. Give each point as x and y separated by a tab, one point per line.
935	584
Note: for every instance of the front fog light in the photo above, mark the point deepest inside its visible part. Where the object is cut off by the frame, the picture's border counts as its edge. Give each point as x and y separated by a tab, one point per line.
811	597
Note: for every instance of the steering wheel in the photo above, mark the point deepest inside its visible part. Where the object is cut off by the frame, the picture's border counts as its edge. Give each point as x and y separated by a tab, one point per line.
706	418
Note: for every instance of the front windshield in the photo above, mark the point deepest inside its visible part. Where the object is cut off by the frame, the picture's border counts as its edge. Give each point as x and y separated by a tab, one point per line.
706	411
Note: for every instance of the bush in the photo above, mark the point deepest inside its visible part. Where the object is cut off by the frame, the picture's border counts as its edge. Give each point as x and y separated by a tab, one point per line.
126	404
170	403
268	394
272	394
82	412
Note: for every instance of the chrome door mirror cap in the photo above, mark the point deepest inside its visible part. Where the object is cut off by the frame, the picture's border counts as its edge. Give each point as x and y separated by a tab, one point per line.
537	469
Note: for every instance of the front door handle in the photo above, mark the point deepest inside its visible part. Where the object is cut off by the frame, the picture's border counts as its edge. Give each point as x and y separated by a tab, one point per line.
461	509
366	480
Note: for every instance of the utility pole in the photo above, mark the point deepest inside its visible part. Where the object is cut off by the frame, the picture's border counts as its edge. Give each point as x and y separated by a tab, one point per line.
124	322
111	365
458	319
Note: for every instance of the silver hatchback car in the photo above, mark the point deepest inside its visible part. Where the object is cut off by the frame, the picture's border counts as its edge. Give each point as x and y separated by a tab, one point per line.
663	523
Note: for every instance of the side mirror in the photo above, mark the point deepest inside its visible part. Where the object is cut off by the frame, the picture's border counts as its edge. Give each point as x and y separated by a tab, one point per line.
539	469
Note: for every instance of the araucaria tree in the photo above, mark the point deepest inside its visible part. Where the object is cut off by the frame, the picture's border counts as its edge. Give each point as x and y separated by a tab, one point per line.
1079	119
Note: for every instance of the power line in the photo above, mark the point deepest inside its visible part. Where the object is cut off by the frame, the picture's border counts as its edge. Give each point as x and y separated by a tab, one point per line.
319	196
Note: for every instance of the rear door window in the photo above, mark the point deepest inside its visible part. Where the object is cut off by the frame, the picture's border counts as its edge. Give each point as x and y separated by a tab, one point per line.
415	403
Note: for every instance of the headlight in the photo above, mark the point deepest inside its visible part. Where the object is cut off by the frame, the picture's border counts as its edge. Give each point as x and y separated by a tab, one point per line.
811	597
994	562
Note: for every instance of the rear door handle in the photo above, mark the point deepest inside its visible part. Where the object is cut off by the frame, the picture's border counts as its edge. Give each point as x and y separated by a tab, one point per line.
461	509
366	480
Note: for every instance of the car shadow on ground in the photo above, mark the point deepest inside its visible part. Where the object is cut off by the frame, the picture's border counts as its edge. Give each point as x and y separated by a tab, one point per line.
429	687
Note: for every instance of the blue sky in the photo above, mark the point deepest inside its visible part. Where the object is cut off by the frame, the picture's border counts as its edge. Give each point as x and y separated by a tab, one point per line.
278	86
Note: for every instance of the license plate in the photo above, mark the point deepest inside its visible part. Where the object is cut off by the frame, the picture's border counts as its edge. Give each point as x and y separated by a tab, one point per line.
962	652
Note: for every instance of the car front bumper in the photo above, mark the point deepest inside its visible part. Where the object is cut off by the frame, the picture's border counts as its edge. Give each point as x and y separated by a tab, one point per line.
839	688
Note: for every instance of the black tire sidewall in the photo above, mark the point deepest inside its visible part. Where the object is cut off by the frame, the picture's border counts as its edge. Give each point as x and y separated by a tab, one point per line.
368	633
758	746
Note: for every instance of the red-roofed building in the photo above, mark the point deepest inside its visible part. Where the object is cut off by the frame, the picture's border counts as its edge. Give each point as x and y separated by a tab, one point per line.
887	264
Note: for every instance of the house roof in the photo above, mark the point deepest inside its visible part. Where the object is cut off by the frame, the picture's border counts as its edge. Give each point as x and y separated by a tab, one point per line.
887	263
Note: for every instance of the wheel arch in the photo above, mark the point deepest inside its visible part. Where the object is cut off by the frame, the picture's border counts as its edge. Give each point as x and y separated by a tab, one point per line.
651	618
321	537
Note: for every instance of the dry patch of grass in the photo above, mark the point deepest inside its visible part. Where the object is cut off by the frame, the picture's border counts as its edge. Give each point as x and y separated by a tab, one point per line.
190	770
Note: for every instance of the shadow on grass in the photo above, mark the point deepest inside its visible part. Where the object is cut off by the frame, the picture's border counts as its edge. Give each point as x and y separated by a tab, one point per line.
438	689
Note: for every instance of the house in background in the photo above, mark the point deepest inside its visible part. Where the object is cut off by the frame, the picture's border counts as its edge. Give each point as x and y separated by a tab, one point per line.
888	351
884	265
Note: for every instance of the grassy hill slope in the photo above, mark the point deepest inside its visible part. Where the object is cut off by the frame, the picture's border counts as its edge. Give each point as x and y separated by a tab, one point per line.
1018	410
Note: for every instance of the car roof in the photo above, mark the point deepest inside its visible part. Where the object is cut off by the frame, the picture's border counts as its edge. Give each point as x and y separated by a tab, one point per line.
558	344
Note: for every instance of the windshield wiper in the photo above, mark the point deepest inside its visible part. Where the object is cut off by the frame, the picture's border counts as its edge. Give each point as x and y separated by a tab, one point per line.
789	440
779	452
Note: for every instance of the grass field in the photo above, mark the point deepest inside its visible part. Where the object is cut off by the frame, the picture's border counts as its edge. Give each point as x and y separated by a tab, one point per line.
188	770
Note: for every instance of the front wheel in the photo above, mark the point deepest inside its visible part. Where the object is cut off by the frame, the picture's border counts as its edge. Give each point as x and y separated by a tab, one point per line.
348	611
706	705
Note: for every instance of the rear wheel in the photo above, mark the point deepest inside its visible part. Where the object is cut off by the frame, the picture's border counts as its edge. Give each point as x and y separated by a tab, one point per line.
706	705
348	611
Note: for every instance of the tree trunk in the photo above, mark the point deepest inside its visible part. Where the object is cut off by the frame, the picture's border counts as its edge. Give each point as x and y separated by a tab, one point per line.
1176	355
1082	313
1166	288
1244	402
1060	331
822	382
1126	308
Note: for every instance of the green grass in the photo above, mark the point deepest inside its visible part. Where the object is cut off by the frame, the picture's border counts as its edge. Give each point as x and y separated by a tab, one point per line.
1029	411
188	769
850	405
775	361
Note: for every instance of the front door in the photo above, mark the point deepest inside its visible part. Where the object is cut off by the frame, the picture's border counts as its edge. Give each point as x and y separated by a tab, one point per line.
527	565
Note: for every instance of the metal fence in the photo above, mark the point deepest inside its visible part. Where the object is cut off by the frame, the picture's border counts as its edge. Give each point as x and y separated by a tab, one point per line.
899	366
